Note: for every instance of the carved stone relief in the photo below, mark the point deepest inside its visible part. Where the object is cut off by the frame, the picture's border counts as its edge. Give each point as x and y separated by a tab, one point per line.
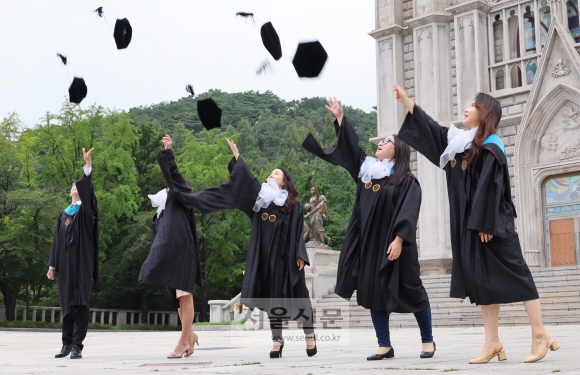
561	141
561	69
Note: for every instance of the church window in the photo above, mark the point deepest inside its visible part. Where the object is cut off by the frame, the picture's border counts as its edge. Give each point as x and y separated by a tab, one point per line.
545	20
513	35
499	79
498	37
529	30
517	33
516	76
572	11
531	69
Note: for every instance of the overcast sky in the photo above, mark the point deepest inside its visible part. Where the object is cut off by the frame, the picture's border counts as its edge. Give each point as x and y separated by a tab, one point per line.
176	42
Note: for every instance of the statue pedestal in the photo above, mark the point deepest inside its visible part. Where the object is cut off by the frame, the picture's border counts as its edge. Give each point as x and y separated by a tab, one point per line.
321	274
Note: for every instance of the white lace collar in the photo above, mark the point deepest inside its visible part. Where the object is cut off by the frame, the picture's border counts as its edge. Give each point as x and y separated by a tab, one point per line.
457	141
373	168
270	192
158	200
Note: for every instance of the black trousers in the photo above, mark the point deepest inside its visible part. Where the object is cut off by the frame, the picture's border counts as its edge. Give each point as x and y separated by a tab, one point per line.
305	315
75	325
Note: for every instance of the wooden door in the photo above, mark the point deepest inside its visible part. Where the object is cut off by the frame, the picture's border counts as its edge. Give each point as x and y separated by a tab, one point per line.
562	246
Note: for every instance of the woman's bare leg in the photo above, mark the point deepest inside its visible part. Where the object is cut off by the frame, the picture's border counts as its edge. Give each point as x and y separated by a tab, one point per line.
185	312
534	310
490	314
191	337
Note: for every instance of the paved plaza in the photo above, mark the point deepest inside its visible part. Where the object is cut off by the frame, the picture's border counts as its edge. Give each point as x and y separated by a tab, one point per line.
246	352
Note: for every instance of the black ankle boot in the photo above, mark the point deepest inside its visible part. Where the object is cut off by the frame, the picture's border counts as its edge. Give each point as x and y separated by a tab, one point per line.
277	354
64	351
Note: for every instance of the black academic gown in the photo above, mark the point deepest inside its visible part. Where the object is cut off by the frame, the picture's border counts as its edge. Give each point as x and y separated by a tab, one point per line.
381	212
173	260
479	201
276	241
74	253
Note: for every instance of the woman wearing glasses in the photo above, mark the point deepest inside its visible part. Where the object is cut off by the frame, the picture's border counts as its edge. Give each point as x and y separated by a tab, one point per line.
379	257
488	265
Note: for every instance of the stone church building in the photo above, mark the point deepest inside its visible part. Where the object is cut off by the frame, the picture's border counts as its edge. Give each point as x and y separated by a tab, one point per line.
526	54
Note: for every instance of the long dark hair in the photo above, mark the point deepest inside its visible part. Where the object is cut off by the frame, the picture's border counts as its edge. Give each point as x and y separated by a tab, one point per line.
489	116
402	161
291	188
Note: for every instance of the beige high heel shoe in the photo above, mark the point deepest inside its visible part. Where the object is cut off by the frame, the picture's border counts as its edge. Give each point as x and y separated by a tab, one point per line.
195	341
497	351
551	344
176	355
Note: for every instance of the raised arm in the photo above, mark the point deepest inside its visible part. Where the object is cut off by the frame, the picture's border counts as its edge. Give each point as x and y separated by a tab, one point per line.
177	184
420	131
239	192
85	187
346	151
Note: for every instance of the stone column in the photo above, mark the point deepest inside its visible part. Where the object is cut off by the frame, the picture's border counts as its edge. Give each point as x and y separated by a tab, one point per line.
472	51
216	312
121	318
389	43
432	56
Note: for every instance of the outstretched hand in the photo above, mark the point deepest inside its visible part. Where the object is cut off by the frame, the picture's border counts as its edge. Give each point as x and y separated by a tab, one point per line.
87	157
167	142
335	107
234	148
401	96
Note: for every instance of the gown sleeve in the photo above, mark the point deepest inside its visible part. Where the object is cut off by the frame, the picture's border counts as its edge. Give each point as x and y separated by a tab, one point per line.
52	260
424	134
406	221
175	181
297	235
86	192
238	192
89	210
345	152
489	209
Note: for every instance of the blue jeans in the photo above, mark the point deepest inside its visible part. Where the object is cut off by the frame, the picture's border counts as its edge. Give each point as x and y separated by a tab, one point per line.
381	323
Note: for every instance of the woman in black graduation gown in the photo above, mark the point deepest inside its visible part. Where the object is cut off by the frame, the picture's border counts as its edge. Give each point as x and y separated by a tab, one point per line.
488	265
173	260
274	279
379	257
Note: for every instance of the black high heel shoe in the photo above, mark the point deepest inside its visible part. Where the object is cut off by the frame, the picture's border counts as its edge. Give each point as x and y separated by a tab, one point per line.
312	351
277	354
429	354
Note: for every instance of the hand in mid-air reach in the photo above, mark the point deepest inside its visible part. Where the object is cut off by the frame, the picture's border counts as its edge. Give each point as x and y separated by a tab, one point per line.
234	148
167	142
335	107
87	157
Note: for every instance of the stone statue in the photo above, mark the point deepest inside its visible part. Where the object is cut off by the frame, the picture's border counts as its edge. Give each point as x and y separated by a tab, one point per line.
317	212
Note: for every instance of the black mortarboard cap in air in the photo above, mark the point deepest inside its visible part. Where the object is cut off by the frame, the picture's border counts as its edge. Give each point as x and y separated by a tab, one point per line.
77	90
209	113
309	59
271	40
122	33
62	58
